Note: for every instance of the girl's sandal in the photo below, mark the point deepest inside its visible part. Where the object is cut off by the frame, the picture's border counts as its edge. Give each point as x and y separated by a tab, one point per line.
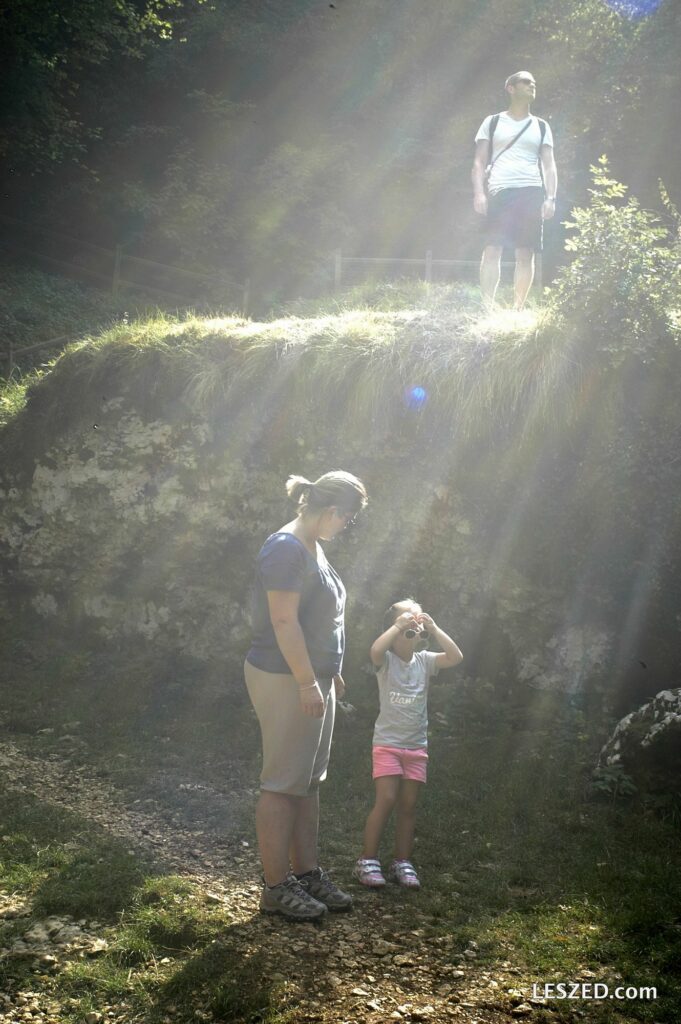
402	872
368	872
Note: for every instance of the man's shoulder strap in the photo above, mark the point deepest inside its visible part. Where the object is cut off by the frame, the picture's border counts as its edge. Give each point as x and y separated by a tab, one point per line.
494	121
542	133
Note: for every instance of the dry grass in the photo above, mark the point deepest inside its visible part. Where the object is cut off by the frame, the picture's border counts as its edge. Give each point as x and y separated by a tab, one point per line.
480	372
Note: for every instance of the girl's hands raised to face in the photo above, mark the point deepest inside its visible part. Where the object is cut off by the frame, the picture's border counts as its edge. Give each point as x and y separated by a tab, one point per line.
426	622
407	620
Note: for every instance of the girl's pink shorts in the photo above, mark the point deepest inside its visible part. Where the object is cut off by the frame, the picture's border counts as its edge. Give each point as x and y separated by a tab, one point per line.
411	764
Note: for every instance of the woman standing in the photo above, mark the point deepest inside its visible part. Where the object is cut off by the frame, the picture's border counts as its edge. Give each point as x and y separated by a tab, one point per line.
293	677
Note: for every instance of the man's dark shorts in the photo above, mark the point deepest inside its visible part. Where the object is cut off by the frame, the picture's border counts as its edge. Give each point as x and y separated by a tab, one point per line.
514	219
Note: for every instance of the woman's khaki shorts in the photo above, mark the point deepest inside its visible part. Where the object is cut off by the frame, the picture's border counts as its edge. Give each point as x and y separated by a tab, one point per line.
295	746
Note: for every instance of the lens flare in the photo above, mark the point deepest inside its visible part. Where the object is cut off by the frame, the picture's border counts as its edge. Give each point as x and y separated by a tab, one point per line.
415	397
634	9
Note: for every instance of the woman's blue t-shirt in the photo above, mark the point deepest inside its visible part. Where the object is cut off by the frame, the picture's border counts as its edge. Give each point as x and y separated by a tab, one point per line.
284	563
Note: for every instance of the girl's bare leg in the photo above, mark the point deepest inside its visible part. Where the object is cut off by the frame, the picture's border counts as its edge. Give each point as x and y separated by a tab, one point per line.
387	789
406	818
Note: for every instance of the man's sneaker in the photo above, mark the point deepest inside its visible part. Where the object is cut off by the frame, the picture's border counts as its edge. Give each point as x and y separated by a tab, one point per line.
291	899
318	884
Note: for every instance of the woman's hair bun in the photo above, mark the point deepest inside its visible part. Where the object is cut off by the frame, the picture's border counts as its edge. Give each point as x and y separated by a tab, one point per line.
297	487
337	489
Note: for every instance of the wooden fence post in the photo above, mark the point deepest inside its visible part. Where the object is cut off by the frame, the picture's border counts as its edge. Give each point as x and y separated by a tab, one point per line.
246	297
337	270
429	266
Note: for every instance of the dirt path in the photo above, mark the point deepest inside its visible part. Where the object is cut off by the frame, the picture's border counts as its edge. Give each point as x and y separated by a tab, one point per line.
371	965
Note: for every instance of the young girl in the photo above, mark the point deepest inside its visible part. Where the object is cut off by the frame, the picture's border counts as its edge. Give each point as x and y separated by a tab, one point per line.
400	735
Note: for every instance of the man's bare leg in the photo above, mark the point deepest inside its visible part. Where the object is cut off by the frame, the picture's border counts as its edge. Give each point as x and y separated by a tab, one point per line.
490	272
524	275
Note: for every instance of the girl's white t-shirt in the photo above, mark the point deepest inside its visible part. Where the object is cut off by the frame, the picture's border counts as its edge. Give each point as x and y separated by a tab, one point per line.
518	167
403	692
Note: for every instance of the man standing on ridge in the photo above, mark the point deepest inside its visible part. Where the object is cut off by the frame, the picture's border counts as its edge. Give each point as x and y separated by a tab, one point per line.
514	186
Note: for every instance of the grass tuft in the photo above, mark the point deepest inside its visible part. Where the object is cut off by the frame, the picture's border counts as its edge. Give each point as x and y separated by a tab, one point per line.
481	373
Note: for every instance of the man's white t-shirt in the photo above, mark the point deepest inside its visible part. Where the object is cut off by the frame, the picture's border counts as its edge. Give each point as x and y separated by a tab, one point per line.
518	167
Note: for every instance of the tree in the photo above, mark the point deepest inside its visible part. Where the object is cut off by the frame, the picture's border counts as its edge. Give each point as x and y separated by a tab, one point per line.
49	53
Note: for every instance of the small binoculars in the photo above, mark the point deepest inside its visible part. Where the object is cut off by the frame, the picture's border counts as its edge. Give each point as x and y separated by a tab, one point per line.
422	634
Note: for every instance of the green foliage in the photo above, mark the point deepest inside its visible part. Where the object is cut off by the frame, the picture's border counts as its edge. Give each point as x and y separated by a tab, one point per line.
36	306
613	781
253	139
50	53
623	282
13	395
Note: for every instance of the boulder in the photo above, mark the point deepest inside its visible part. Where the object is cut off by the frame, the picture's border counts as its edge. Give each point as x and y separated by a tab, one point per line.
646	744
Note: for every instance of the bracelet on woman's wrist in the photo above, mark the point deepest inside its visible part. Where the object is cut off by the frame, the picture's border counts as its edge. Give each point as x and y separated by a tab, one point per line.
310	687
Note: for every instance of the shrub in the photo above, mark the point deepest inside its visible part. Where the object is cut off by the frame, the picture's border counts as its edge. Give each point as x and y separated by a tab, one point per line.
623	286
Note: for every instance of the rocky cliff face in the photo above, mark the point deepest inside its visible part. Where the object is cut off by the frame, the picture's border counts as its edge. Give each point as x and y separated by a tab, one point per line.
147	530
135	514
125	530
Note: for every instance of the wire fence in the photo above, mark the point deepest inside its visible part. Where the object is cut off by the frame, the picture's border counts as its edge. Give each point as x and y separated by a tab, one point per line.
11	352
354	269
117	269
114	269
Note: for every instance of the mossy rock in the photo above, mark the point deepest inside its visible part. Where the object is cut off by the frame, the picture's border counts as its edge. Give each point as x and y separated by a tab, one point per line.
646	744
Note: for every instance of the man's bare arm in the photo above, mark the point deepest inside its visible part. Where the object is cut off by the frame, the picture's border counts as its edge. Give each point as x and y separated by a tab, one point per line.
550	172
478	176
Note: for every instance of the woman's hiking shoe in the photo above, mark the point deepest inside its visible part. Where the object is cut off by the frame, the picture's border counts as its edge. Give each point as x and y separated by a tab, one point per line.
368	872
402	872
291	899
318	885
